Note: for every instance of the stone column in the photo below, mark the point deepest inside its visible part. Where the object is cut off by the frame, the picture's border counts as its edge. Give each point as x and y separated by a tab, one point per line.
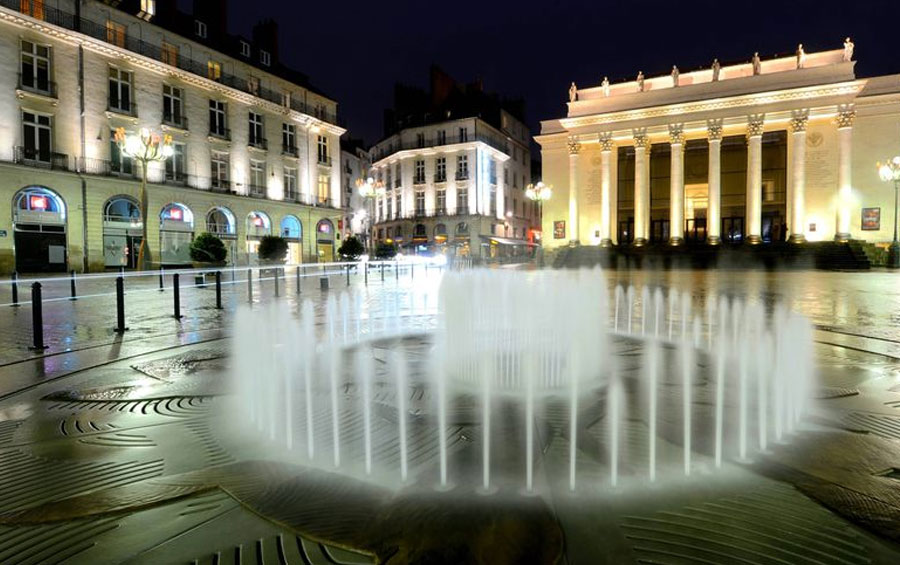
606	147
753	215
676	185
799	118
574	148
846	113
714	183
641	187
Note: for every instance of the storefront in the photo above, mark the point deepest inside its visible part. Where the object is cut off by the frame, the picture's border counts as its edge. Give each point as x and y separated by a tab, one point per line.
220	222
325	241
258	225
122	232
176	231
39	226
292	232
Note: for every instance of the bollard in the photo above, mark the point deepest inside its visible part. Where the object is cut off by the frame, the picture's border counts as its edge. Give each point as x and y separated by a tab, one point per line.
120	305
121	271
218	290
74	295
250	285
396	270
366	271
382	271
176	293
412	270
348	275
37	317
275	276
323	283
161	286
298	279
15	288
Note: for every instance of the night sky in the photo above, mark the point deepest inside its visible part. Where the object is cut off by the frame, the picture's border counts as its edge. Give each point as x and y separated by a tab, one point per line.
534	49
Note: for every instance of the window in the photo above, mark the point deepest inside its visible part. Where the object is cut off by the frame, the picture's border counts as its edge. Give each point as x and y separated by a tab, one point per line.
217	121
245	48
462	200
441	201
289	139
33	8
462	167
387	176
493	197
120	90
397	180
505	176
440	165
290	183
420	203
492	171
286	98
265	58
442	137
172	101
115	33
390	213
323	150
219	169
257	138
199	28
36	137
175	164
398	200
463	135
420	172
324	189
213	70
119	162
148	8
257	177
380	214
420	140
35	67
169	54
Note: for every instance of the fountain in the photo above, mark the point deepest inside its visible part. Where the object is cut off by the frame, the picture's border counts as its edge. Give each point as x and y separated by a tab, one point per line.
383	401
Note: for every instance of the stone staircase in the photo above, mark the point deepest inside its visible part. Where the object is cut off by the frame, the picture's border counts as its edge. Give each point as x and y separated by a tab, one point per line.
841	256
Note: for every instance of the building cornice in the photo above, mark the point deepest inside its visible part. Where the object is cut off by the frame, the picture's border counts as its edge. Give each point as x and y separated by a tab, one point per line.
161	68
439	149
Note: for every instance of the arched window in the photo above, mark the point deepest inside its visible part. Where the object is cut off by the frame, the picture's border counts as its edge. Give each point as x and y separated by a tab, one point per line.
290	228
175	214
324	230
440	229
122	209
38	199
462	228
258	224
220	221
421	231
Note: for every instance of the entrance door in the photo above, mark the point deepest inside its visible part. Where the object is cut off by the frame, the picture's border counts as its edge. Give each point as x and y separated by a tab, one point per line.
326	251
659	231
773	229
40	251
695	230
626	231
733	229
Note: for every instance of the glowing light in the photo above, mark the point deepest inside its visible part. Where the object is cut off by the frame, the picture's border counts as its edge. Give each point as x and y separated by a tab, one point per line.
38	202
175	214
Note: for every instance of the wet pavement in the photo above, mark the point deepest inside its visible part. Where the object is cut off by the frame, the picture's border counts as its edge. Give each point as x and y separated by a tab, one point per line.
122	448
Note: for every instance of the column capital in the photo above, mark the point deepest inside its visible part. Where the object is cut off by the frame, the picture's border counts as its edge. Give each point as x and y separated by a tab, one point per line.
640	138
799	118
846	114
606	142
755	125
676	134
573	145
714	129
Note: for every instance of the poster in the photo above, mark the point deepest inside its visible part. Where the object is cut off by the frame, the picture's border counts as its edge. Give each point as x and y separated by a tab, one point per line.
871	219
559	229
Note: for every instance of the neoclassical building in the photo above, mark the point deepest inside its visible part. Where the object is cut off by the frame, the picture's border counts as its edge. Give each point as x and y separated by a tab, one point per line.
256	147
762	151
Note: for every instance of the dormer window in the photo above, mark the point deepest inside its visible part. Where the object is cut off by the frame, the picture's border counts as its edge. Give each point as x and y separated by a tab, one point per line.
148	9
265	58
245	49
199	28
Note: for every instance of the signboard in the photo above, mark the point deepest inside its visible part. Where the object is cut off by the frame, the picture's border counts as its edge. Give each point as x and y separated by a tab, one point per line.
871	219
559	229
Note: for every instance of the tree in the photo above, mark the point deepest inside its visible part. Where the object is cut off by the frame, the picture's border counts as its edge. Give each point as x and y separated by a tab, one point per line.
385	251
207	248
351	249
272	248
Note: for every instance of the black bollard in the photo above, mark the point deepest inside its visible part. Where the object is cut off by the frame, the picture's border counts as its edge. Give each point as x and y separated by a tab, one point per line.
348	275
218	290
15	288
37	317
382	271
120	305
72	286
298	279
249	285
366	272
396	270
176	293
275	276
412	270
161	285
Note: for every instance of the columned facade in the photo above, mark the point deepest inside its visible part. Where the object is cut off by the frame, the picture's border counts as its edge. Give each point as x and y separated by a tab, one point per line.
799	120
641	187
676	185
754	178
714	182
846	114
574	148
606	187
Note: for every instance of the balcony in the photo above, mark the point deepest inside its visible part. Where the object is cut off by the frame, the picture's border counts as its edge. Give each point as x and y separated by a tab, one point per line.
91	166
419	179
219	185
290	151
176	178
440	177
256	191
38	85
122	107
258	143
179	121
222	133
397	183
40	158
324	160
462	175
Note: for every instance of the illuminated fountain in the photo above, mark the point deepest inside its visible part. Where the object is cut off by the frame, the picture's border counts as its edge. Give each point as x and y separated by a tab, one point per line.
523	382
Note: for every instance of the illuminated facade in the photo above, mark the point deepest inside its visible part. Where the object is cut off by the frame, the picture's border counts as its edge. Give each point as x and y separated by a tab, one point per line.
253	142
764	151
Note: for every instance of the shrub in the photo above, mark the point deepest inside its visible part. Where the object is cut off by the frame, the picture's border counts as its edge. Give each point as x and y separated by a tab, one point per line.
351	249
385	251
272	248
207	248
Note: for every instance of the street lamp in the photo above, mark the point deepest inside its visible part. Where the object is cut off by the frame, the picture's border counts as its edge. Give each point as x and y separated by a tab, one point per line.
890	171
369	188
539	193
146	147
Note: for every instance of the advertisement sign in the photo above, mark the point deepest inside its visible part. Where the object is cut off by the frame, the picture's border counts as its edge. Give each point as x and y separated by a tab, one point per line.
559	229
871	219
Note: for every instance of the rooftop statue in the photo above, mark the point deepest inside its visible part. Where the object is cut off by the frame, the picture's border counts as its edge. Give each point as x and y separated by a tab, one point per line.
756	64
716	67
848	50
573	93
801	56
605	85
675	75
640	81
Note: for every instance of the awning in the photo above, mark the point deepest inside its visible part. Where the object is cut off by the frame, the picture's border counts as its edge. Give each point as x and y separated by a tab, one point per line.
505	240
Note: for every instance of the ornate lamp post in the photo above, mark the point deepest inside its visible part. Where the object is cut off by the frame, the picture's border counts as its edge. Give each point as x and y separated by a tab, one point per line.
539	193
146	147
369	188
890	171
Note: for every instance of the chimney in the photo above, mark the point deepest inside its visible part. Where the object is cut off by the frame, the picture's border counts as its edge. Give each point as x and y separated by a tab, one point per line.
214	13
265	36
